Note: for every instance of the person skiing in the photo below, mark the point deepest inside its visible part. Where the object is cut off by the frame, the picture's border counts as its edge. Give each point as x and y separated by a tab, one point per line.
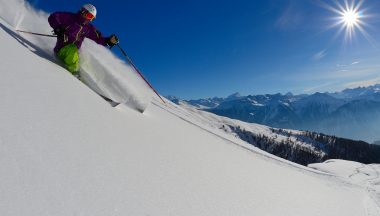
71	29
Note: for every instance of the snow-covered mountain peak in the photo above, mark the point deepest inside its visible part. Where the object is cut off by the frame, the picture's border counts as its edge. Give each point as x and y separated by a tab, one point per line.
357	92
234	96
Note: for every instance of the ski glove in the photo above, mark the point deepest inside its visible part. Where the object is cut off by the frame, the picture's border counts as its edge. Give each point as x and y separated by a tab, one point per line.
60	32
112	40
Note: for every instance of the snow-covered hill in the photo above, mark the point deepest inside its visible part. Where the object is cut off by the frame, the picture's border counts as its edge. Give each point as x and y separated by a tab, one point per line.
65	151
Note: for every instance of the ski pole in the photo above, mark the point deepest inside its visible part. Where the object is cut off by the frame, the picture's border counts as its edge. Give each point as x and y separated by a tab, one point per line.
138	71
33	33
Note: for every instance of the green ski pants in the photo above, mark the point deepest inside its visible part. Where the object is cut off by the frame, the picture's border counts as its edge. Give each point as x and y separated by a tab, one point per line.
70	57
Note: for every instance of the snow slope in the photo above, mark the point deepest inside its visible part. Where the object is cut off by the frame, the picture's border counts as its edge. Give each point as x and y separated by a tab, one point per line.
65	151
357	173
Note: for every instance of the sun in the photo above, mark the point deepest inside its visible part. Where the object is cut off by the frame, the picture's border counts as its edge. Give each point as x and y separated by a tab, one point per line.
351	18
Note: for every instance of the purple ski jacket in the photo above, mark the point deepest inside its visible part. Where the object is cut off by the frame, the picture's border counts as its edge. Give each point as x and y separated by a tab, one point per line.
76	29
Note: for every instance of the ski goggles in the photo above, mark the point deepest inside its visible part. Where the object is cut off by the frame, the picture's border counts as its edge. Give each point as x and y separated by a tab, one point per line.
88	15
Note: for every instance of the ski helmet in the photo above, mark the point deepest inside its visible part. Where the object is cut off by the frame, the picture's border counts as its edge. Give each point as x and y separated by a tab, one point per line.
90	10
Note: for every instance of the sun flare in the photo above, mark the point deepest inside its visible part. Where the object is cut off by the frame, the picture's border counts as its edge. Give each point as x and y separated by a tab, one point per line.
351	18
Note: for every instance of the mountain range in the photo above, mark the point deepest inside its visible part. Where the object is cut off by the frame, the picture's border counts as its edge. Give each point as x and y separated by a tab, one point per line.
351	113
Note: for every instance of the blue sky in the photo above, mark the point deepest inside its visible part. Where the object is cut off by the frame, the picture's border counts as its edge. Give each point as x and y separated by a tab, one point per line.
205	48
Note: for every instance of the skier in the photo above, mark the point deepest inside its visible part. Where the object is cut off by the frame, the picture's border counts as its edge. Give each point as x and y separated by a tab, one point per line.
71	29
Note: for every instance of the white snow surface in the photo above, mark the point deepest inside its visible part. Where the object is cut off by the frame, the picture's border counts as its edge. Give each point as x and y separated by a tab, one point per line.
65	151
368	176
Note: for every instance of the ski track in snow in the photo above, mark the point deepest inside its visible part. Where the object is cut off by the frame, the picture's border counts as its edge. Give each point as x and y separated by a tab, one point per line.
372	203
373	186
369	176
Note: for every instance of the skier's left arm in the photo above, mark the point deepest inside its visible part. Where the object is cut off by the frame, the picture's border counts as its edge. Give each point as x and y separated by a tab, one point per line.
97	36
